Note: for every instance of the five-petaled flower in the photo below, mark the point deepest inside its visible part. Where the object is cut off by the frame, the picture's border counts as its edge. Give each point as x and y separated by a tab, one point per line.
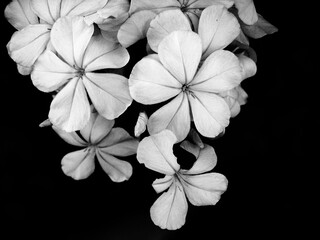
100	140
71	68
201	188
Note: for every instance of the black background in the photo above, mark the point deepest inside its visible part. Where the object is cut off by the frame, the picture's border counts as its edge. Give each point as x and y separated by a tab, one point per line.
263	155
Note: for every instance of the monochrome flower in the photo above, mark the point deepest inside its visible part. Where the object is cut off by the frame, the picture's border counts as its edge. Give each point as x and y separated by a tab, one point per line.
246	11
102	141
27	44
143	11
71	69
199	187
174	74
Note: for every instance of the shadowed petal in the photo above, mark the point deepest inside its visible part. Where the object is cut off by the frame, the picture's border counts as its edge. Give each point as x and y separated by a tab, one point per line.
161	184
156	153
206	3
249	67
70	137
170	209
79	164
246	11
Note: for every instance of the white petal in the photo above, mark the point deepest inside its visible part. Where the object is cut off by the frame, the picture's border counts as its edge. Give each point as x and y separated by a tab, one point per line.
79	164
70	109
119	143
24	70
204	189
165	23
205	162
19	14
102	54
217	29
141	124
205	3
221	71
174	116
210	113
151	83
135	28
248	66
154	5
180	54
259	29
108	92
100	129
170	209
47	10
70	137
246	11
50	72
86	131
117	170
191	148
156	153
162	184
26	45
81	7
70	37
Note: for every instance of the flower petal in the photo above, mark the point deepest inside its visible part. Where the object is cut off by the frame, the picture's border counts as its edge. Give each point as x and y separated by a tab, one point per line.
162	184
50	72
119	143
174	116
165	23
204	189
27	44
141	124
135	28
210	113
70	37
81	7
102	54
79	164
205	3
108	92
70	109
70	137
249	67
117	170
221	71
24	70
49	11
206	161
191	148
246	11
151	83
154	5
170	209
180	53
217	29
19	14
259	29
156	153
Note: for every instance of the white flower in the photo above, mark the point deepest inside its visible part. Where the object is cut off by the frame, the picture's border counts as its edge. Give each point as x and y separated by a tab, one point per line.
102	141
246	11
200	188
71	67
173	74
143	11
27	44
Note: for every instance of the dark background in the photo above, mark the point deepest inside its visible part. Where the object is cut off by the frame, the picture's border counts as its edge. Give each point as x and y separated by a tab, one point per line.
263	155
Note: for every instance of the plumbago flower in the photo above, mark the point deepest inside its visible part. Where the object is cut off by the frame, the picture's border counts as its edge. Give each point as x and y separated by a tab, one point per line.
173	73
201	188
103	142
143	11
27	44
71	70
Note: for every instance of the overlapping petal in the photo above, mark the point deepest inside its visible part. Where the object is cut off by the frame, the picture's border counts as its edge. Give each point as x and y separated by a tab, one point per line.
154	5
205	3
151	83
117	170
249	67
80	7
108	92
156	153
19	14
48	11
26	45
165	23
180	54
217	29
79	164
210	113
170	209
246	11
162	184
174	116
70	109
70	137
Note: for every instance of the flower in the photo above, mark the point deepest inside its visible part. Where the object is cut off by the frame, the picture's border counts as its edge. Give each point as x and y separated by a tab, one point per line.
246	11
143	11
200	188
173	73
71	69
27	44
103	142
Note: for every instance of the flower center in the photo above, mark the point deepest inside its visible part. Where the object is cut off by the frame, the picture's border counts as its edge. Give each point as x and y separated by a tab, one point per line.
185	87
80	72
184	6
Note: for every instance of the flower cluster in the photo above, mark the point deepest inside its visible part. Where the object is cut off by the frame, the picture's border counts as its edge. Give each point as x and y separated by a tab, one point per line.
197	54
